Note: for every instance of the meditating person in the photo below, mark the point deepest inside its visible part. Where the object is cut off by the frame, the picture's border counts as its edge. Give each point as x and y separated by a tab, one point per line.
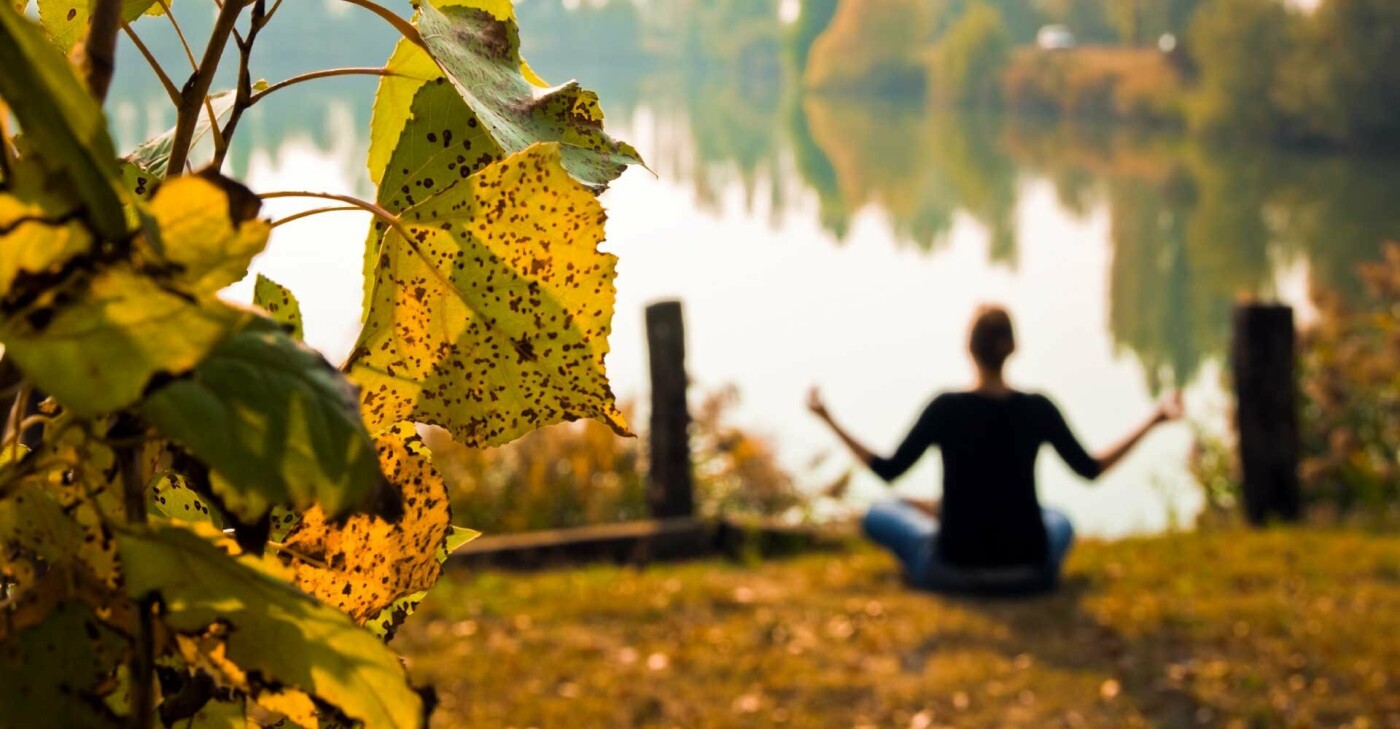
989	533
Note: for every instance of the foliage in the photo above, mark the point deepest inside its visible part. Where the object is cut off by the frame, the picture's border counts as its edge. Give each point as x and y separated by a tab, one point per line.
201	519
1239	46
966	64
1094	83
1286	627
577	474
844	58
1351	395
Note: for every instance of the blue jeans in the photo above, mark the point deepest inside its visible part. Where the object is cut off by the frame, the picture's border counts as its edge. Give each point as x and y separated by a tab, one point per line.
912	536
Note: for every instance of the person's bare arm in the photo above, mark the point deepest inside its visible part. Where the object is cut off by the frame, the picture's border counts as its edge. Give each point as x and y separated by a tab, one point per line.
818	408
1168	409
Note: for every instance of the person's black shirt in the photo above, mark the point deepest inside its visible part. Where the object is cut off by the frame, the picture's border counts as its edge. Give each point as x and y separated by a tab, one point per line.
990	515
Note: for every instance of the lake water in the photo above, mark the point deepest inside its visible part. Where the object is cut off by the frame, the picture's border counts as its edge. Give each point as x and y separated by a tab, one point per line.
845	243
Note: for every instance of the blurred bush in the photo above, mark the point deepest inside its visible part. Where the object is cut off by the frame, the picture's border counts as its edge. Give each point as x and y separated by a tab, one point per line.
967	61
1094	82
1350	409
582	473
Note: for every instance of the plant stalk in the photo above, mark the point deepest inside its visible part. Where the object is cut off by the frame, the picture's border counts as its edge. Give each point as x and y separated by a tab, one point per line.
100	49
195	91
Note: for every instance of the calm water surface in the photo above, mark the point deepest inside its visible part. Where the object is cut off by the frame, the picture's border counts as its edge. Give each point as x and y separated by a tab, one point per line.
846	243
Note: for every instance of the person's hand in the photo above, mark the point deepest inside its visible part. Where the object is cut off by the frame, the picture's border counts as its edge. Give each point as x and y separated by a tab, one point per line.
1170	408
815	404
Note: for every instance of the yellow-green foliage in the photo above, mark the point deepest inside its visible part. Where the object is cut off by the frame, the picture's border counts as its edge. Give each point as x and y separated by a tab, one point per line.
1351	395
1278	628
581	473
1100	82
871	45
967	61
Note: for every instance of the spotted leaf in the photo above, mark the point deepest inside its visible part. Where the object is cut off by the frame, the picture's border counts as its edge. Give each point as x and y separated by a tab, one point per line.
491	307
274	421
54	674
99	341
387	622
280	304
209	229
67	21
275	631
365	564
39	226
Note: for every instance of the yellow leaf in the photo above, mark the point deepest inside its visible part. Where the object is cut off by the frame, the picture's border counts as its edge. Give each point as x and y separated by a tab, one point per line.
96	344
490	317
39	227
280	304
209	228
365	564
67	21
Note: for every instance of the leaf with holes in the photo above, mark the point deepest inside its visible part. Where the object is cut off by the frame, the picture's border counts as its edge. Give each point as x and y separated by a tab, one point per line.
491	307
364	565
276	631
275	422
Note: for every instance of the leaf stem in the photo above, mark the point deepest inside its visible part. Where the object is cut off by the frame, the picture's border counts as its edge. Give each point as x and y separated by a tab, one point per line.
179	33
196	90
404	27
379	212
100	49
316	211
165	81
327	73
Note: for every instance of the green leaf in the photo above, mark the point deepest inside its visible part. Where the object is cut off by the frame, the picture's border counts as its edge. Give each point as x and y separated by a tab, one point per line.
276	423
280	305
275	630
153	156
209	229
492	319
67	21
409	67
364	564
478	47
52	674
96	344
60	119
172	497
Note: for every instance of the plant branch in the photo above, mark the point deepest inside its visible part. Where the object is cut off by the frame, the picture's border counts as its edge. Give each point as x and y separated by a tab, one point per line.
243	93
100	49
165	81
142	665
379	212
179	33
316	211
196	90
319	74
404	27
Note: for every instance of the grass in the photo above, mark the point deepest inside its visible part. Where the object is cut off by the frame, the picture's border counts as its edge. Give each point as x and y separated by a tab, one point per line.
1285	628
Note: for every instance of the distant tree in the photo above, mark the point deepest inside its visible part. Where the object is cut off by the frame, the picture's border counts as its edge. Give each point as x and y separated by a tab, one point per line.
1352	58
967	61
812	19
1239	47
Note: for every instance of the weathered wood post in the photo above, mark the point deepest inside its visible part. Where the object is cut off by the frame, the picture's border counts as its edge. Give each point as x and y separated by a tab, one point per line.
1266	411
670	491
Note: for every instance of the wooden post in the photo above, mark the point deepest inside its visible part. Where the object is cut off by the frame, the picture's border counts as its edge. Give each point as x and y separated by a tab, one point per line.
1266	412
670	492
